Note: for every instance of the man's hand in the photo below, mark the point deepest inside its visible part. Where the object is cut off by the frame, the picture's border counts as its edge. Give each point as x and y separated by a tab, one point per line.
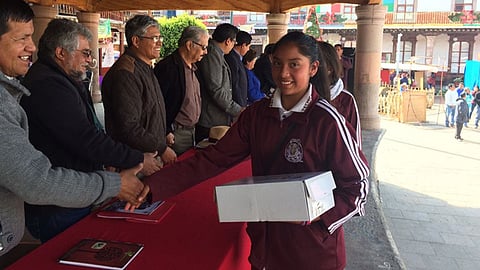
132	190
170	139
150	163
169	156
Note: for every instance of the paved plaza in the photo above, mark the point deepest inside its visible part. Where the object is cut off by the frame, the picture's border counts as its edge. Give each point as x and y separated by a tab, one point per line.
427	192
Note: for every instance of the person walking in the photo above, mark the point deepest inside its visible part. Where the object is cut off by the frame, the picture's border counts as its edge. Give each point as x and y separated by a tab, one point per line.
461	115
450	104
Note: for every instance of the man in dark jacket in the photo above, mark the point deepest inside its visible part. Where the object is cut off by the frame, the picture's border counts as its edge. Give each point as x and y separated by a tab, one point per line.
237	69
263	70
134	107
177	77
63	123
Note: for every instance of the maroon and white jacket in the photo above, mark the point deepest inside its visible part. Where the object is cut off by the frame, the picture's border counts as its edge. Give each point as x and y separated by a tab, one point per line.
345	104
320	140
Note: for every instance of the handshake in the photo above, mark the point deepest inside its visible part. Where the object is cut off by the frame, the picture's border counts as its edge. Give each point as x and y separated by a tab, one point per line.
132	190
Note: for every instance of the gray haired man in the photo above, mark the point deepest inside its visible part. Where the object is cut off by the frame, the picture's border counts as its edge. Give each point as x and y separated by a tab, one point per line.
176	74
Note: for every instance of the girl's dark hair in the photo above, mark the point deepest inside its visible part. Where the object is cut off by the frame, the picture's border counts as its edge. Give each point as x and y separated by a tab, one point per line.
249	56
308	47
334	67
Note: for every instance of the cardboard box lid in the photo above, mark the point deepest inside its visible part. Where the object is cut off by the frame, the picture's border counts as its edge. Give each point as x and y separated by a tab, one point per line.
263	198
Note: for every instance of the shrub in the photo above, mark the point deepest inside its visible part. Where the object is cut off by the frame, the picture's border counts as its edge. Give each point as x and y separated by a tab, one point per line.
171	29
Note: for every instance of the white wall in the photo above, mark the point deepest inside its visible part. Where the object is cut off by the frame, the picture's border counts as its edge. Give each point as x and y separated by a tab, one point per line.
476	48
440	50
434	5
421	50
387	43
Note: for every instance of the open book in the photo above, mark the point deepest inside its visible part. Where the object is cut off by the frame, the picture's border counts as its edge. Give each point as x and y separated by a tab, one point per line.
147	213
105	254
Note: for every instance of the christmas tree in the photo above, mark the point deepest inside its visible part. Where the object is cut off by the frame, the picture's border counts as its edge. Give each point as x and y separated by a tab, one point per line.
311	26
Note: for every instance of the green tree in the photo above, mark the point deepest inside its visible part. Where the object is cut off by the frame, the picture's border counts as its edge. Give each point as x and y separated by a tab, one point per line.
312	27
171	29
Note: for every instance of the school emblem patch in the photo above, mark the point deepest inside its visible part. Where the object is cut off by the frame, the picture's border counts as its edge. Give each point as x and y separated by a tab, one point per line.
294	151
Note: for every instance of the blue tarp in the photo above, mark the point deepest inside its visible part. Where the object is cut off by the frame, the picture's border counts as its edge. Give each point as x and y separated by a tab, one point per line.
472	74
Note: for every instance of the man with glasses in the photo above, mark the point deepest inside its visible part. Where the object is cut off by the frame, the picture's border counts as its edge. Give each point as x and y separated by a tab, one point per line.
218	107
181	88
63	123
134	106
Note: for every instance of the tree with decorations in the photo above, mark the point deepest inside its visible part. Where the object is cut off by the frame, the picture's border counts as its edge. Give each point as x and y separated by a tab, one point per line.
311	26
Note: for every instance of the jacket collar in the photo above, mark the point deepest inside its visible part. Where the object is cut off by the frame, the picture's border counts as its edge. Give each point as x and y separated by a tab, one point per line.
336	89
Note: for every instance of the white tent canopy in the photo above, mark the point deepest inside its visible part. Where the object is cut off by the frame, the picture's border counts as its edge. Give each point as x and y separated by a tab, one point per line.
411	66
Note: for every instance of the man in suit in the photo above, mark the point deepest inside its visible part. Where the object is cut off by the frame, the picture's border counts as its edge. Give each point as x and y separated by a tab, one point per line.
177	77
239	75
218	106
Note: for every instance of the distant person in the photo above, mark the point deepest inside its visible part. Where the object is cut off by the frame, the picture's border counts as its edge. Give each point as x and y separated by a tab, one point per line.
340	98
461	115
460	89
346	62
469	100
26	175
134	105
63	123
218	106
237	70
404	79
254	92
431	81
263	71
450	104
177	76
476	99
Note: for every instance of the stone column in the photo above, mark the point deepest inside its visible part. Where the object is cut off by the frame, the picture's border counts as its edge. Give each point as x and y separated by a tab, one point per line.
368	55
43	15
277	26
91	21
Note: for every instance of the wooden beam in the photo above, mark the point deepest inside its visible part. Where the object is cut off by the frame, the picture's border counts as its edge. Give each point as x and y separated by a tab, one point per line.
268	6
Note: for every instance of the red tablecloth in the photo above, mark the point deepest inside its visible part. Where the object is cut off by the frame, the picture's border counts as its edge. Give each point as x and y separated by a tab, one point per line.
189	237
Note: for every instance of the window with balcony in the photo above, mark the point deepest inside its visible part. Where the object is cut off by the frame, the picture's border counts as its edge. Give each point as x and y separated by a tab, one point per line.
463	5
405	51
405	10
297	17
460	51
349	12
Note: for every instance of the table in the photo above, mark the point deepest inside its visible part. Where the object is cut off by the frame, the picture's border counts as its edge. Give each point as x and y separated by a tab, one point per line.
189	237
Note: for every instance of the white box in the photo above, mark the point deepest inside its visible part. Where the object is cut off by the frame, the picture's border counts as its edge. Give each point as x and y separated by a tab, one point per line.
287	197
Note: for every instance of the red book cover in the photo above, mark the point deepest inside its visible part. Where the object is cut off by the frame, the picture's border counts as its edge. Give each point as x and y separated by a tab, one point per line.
104	254
147	213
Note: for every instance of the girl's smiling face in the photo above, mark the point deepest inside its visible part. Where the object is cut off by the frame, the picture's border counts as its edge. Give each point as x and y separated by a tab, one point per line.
292	71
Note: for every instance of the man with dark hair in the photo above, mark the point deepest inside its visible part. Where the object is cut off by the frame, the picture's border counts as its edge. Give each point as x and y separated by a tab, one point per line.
263	70
63	123
134	106
25	173
218	106
181	88
346	64
237	69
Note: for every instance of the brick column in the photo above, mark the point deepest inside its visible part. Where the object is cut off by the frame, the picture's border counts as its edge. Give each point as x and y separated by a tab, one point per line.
368	55
91	21
277	26
43	15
